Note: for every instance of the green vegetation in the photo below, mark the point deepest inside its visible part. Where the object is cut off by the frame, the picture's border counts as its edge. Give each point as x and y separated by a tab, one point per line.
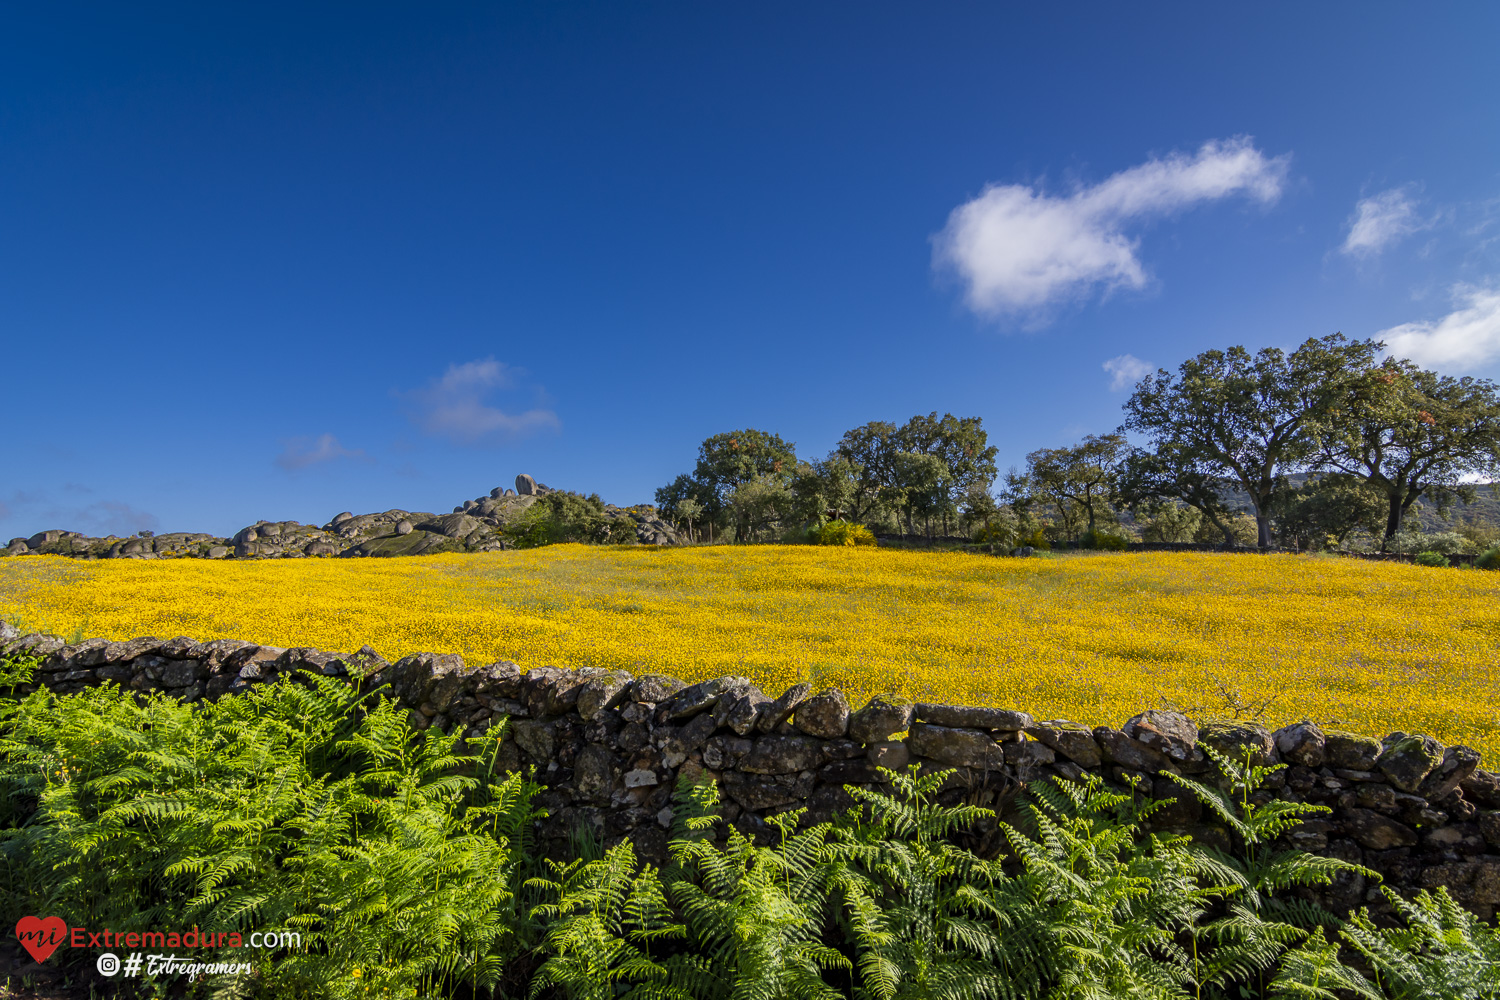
1328	446
404	862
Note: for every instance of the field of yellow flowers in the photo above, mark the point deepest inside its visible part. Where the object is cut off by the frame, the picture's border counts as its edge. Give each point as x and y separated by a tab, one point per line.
1373	647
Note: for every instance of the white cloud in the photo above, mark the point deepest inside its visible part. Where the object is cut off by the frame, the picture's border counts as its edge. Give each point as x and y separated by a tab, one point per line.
1465	339
1125	371
1381	220
1019	250
454	406
299	453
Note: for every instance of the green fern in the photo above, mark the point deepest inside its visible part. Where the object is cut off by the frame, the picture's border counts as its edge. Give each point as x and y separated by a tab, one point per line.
1443	952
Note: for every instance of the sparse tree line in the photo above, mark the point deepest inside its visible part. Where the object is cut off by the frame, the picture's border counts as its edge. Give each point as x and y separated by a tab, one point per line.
1319	447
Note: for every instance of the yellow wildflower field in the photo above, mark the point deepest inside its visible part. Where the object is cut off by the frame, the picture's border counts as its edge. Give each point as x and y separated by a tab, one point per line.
1372	647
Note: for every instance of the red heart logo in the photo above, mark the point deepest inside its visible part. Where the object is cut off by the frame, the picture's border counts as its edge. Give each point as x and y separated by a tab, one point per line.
41	937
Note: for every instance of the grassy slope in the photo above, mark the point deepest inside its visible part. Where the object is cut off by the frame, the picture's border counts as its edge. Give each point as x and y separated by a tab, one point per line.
1368	646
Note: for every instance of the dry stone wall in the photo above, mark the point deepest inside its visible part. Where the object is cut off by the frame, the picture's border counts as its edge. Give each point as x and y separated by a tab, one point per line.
609	747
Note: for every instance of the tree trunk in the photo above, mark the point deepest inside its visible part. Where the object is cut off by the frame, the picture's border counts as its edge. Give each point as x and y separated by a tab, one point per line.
1392	520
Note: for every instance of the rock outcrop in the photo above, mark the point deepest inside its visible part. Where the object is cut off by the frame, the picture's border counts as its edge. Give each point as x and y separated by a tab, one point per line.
609	749
474	526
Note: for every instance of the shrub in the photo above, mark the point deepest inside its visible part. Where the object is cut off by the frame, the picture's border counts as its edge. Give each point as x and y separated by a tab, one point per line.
1104	540
1490	560
1036	540
1431	559
994	533
841	533
1445	542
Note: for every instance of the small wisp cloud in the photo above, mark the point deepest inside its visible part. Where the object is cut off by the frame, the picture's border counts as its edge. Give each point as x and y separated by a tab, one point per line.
455	406
1125	371
301	452
1466	339
1381	221
1019	250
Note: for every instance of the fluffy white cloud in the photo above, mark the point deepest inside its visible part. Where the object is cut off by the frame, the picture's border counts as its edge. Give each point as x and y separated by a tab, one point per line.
299	453
454	406
1125	371
1018	249
1381	220
1465	339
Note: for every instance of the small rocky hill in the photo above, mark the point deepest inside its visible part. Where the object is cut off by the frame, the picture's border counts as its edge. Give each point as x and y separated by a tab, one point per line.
473	526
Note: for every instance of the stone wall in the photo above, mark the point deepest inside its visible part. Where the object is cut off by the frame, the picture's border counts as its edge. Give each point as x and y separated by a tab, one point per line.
609	748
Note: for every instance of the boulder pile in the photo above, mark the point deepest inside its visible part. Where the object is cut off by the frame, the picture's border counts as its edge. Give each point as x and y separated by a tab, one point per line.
473	526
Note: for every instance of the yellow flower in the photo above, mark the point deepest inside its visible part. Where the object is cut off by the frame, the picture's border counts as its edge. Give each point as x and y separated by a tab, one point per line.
1366	646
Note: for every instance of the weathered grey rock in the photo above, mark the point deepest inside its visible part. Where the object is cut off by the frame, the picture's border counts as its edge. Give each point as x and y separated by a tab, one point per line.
824	715
780	710
740	708
767	791
1350	750
893	755
179	673
601	692
1489	826
459	526
654	688
972	717
593	773
1376	832
724	753
1459	762
881	719
700	697
1406	762
783	755
1075	742
1169	733
959	747
340	518
1236	740
404	527
534	737
319	547
525	485
1119	749
1301	743
1482	787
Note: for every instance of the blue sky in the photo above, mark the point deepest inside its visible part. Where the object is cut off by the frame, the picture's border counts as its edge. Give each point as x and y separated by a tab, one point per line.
278	261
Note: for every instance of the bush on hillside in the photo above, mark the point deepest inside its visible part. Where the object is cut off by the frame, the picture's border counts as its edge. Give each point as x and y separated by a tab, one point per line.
1490	559
1446	542
1104	540
840	533
1036	540
1431	559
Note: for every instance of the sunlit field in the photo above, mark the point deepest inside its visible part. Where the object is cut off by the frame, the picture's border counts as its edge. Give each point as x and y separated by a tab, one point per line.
1096	638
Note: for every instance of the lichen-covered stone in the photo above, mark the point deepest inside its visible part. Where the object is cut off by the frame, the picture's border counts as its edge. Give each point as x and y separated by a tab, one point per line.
1170	733
783	755
1121	750
958	747
881	719
1458	763
740	709
825	715
1237	740
601	692
1408	761
654	688
1375	831
972	717
1075	742
1350	750
780	710
1301	743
